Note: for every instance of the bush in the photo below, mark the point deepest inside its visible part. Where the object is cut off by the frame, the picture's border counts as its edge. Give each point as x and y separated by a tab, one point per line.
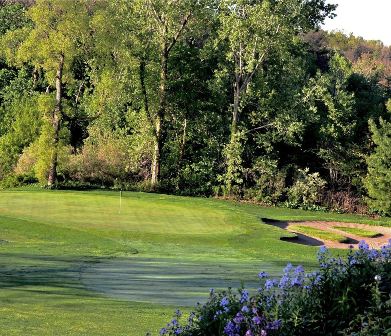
269	182
306	191
348	297
107	158
378	180
15	180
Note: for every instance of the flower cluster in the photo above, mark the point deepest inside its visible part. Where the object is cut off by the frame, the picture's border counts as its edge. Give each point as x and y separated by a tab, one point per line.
335	299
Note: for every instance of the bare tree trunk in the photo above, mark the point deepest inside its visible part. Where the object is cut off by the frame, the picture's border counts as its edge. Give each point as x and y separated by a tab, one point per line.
56	124
181	152
160	117
183	143
235	111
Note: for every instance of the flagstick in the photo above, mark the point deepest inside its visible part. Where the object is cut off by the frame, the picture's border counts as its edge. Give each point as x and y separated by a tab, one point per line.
120	201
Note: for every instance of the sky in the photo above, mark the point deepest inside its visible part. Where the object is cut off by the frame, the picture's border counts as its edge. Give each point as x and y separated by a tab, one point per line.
370	19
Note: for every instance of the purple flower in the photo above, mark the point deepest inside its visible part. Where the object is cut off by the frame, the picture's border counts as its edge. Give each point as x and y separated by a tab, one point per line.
263	275
288	268
362	245
163	331
322	252
244	297
178	331
283	281
263	333
269	284
257	320
297	282
231	329
299	269
248	333
217	314
224	302
275	325
239	318
352	260
373	254
245	309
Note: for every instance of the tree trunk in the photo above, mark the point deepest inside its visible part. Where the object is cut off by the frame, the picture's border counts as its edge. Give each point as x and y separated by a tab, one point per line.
235	111
56	124
181	152
160	117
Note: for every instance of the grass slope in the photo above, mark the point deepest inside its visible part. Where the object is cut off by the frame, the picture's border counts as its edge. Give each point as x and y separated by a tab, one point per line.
358	231
318	233
54	246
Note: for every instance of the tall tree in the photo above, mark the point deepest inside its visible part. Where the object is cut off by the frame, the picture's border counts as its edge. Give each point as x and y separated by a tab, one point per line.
165	23
59	33
378	179
253	32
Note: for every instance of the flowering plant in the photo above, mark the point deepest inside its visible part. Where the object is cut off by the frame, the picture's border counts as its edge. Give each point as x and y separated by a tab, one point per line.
346	296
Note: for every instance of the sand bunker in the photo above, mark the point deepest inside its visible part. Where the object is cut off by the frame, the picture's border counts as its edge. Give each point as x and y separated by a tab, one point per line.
384	233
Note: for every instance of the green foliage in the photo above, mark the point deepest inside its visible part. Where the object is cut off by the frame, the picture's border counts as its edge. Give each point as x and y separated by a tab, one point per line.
306	190
190	95
233	178
378	180
346	296
12	17
269	182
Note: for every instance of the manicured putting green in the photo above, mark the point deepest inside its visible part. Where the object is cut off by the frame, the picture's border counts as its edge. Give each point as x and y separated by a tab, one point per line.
318	233
358	231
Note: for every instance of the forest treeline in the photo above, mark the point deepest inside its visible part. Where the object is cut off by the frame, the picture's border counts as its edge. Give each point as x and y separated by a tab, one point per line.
236	98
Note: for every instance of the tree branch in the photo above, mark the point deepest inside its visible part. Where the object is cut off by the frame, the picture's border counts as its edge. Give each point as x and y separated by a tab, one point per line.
179	32
259	127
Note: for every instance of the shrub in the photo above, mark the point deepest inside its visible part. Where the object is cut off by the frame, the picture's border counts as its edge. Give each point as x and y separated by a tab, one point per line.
349	296
269	182
305	192
378	180
15	180
108	159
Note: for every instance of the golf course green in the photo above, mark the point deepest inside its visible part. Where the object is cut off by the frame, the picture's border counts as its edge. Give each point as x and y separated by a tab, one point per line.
90	263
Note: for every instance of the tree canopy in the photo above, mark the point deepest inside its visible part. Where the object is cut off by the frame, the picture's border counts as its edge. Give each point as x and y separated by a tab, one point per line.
236	98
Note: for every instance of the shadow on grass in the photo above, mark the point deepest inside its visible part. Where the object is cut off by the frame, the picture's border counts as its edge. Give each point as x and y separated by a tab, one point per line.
173	282
165	281
22	271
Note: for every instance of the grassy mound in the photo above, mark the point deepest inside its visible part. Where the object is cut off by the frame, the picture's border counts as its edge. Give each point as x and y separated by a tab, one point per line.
359	232
320	234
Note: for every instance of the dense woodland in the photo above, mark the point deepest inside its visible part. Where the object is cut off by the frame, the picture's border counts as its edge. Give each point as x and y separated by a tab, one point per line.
235	98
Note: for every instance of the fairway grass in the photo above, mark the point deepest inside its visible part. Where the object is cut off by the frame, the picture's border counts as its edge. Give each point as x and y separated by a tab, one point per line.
76	263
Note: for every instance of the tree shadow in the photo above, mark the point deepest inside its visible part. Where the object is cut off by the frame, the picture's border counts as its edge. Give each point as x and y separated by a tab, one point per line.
26	272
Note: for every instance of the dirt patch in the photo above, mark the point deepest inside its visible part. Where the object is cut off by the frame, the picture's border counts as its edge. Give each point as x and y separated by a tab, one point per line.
384	233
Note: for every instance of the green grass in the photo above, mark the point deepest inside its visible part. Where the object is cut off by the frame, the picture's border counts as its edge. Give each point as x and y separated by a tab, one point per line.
318	233
75	263
358	231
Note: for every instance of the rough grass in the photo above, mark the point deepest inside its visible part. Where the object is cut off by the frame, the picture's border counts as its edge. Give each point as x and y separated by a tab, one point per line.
55	246
320	234
358	231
